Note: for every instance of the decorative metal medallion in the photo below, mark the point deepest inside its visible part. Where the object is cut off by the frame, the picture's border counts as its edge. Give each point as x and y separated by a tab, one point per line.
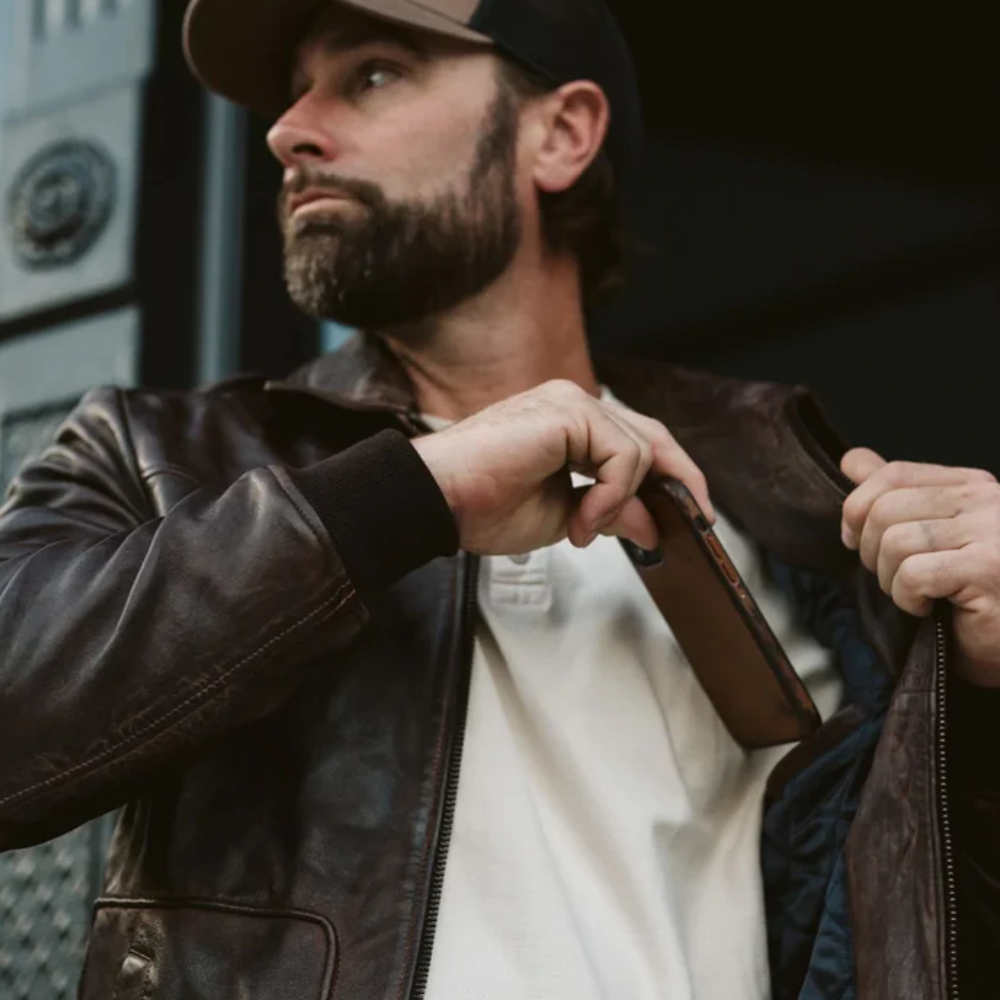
59	203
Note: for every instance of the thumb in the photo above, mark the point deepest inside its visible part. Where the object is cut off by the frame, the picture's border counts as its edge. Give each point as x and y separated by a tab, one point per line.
860	463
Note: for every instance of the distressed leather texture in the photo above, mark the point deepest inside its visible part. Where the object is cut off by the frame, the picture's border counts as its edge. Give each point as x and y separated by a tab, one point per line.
179	638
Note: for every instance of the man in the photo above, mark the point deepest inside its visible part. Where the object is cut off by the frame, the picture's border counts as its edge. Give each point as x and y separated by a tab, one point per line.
386	705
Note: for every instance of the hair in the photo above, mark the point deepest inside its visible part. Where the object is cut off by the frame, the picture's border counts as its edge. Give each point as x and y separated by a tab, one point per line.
585	220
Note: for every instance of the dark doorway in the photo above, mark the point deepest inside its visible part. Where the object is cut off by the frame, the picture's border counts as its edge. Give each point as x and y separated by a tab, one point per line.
819	204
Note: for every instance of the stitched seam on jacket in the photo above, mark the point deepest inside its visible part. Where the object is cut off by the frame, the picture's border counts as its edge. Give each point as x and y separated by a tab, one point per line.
169	470
197	696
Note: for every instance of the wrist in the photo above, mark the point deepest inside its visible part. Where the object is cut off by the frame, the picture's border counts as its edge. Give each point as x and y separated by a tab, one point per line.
428	448
381	508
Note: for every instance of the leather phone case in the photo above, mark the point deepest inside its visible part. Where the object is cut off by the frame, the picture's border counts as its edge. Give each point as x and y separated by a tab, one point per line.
731	648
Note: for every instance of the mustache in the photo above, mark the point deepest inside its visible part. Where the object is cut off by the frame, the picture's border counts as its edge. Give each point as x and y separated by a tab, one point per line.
368	194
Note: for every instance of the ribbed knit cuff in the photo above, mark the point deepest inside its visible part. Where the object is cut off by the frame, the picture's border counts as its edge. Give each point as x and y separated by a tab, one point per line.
383	509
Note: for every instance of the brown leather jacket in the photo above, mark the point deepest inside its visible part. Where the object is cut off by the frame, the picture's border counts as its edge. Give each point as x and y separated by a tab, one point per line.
183	633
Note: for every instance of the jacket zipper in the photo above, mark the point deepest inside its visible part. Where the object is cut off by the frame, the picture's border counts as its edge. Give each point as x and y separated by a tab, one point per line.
820	456
951	990
944	815
413	424
423	966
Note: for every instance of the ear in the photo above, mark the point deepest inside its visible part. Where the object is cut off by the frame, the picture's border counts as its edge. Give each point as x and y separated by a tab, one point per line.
575	119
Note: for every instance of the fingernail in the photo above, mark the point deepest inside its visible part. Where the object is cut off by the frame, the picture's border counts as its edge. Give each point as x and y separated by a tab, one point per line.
847	537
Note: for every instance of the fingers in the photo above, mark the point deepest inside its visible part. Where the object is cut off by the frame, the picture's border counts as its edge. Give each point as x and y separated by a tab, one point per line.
861	463
669	458
619	460
635	523
905	506
940	540
898	476
916	538
620	448
925	577
646	445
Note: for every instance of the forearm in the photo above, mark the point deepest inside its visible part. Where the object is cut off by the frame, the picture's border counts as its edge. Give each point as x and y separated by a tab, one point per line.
122	651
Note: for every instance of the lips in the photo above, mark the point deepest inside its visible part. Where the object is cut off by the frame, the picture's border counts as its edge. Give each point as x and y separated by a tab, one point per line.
295	202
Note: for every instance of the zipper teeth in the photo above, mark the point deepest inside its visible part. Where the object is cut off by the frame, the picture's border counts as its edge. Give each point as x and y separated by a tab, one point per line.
423	967
947	846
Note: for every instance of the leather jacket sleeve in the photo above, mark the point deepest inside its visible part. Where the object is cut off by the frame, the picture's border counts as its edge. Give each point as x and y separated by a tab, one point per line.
129	636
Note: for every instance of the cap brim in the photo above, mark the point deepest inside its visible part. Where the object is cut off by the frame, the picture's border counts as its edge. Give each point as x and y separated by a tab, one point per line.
242	49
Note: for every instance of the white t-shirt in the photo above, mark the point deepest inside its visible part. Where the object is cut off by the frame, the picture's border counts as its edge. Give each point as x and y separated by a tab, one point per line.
606	839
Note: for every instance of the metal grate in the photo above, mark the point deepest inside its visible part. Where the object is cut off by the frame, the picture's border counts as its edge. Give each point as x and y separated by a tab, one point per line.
45	892
45	898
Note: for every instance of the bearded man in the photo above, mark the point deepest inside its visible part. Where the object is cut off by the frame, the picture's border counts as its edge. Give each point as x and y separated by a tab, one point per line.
383	701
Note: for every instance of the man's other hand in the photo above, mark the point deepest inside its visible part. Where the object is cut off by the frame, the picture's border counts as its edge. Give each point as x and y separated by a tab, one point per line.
506	471
929	532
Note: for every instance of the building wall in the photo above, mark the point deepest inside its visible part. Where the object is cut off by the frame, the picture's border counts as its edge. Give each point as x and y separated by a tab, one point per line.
79	304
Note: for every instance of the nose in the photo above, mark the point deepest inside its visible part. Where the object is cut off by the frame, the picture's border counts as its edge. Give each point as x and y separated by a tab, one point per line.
298	138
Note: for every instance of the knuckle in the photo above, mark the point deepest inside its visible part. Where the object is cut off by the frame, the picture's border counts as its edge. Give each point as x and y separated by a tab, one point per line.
991	494
660	433
854	507
666	438
898	472
896	540
967	494
909	575
878	514
983	476
981	493
562	388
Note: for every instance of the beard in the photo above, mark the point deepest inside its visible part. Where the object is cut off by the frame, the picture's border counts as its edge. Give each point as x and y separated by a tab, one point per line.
389	263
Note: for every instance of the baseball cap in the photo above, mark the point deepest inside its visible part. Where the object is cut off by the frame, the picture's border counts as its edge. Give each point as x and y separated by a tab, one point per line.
242	49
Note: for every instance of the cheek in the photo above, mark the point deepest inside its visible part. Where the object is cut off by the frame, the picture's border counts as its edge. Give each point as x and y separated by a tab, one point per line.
418	157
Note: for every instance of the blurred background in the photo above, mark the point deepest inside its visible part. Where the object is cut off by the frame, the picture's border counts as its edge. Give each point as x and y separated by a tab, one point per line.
819	203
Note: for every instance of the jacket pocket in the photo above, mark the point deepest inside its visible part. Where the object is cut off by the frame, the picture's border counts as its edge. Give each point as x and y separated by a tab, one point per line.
193	950
134	976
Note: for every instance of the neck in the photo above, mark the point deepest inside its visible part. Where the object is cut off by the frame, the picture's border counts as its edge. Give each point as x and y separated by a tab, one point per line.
525	329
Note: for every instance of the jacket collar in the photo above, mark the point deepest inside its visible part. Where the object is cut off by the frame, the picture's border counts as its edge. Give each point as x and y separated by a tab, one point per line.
768	451
362	375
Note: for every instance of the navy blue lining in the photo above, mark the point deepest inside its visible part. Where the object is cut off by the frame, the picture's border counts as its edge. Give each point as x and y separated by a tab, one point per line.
805	830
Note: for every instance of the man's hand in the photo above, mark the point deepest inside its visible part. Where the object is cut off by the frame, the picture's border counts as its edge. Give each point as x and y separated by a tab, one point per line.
505	471
928	532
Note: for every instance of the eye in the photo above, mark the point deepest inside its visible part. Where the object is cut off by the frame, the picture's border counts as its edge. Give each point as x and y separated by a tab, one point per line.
375	75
